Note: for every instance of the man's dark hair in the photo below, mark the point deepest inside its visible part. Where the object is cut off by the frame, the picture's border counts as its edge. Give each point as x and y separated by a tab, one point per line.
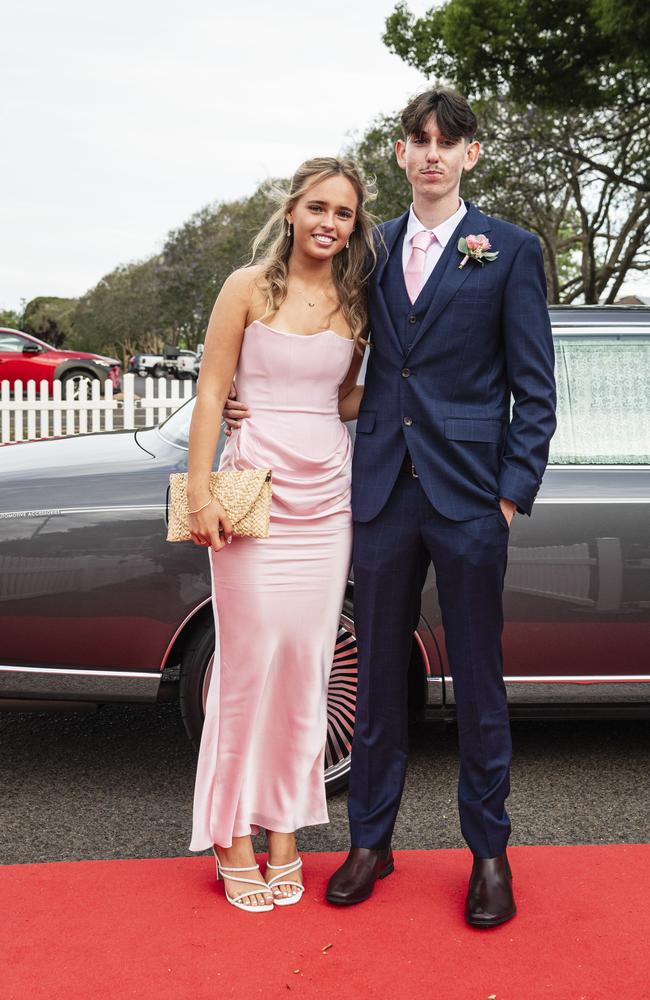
454	117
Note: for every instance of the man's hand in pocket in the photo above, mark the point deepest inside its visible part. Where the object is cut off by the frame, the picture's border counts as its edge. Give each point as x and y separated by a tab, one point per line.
508	509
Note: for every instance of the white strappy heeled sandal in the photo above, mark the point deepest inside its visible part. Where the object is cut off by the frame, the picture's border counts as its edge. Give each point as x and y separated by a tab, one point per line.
284	870
260	887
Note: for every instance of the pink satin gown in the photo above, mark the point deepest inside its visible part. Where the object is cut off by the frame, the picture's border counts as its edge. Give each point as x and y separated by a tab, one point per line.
277	600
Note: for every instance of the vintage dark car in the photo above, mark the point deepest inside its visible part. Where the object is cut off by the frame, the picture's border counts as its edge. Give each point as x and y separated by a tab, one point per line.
95	605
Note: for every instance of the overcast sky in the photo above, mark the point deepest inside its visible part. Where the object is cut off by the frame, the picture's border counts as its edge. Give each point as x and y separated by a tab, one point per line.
119	120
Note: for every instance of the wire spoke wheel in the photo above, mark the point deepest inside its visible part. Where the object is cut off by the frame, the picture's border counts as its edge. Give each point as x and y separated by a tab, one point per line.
76	379
341	703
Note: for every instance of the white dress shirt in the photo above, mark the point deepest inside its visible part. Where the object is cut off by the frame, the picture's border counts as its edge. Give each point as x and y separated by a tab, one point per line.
442	233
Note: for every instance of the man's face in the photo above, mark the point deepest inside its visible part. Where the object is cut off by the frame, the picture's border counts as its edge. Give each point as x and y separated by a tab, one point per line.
434	164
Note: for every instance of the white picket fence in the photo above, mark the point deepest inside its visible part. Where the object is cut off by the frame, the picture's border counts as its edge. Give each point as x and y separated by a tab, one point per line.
28	413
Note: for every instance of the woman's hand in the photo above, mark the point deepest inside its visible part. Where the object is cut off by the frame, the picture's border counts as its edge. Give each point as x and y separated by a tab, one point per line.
211	526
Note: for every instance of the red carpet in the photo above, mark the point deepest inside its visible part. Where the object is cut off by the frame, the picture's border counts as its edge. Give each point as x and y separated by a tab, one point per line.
160	929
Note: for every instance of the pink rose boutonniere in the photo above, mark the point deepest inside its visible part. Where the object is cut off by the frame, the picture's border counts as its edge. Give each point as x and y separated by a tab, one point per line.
476	247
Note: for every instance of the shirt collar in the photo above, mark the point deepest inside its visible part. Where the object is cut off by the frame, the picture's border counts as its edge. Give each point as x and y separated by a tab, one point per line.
442	232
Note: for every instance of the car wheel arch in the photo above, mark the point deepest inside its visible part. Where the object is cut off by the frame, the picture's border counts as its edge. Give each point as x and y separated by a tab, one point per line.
73	366
183	636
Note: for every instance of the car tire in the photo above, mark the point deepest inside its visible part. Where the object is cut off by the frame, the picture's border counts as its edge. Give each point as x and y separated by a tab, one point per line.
76	377
196	670
157	371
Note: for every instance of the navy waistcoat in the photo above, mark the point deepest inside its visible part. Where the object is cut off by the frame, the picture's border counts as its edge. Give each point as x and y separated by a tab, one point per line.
407	316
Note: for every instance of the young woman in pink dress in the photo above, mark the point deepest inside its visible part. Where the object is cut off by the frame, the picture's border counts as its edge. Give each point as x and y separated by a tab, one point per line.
287	330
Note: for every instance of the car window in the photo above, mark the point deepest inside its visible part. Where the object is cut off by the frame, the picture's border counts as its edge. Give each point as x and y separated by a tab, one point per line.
176	428
12	342
603	388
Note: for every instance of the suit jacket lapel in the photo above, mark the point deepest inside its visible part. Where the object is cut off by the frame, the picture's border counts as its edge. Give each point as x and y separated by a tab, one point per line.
447	275
390	233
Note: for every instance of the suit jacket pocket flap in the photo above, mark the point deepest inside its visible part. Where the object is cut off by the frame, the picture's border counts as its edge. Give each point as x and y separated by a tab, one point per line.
366	422
457	429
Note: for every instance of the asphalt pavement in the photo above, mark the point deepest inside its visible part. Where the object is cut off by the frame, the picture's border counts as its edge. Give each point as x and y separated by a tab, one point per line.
118	784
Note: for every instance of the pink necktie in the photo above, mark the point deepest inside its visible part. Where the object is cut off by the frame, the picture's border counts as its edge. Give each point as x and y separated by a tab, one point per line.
414	271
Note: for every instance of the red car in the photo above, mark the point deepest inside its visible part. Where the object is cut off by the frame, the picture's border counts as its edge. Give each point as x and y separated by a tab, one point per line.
25	357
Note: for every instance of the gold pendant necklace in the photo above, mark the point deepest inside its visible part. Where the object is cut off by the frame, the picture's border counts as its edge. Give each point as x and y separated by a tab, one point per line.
311	305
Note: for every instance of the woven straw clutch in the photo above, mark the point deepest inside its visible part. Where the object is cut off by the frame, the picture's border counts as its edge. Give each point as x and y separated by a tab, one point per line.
244	495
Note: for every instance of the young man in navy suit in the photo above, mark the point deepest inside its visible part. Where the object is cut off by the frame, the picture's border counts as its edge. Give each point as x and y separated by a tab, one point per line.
440	467
458	325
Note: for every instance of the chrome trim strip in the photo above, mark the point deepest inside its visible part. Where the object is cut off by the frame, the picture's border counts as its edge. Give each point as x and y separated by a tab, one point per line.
68	684
180	629
75	672
625	327
50	511
574	679
581	679
135	506
611	465
583	500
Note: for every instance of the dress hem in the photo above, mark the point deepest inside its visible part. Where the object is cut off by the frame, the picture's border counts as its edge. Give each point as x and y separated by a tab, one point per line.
259	821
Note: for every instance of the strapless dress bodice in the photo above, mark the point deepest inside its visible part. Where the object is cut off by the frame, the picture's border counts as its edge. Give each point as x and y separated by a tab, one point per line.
290	383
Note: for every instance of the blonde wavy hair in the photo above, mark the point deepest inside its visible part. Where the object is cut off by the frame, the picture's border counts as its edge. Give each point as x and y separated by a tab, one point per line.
351	268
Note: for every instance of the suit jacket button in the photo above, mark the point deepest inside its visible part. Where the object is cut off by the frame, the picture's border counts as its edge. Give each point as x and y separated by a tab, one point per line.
413	319
408	421
406	372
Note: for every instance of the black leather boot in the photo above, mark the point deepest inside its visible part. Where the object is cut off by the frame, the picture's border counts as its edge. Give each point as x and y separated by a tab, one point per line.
355	879
489	898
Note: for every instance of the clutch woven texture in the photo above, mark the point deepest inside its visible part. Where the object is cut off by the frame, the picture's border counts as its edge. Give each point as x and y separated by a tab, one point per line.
245	496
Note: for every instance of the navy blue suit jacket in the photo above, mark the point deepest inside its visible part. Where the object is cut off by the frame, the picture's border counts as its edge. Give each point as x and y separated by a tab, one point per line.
486	335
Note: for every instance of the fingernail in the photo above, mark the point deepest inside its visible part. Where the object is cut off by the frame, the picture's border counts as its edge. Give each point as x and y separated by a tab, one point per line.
229	540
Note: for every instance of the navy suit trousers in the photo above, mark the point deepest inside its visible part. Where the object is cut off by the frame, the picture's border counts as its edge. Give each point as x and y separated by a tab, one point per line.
392	554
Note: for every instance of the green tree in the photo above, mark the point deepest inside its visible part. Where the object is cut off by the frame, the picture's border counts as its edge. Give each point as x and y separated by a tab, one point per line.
375	154
122	315
11	319
168	298
197	258
591	225
553	53
563	89
50	319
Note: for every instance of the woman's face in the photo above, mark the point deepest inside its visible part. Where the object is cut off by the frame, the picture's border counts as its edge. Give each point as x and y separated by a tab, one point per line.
323	218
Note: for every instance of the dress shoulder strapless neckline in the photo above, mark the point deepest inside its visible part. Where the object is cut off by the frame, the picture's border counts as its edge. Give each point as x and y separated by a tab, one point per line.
299	336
